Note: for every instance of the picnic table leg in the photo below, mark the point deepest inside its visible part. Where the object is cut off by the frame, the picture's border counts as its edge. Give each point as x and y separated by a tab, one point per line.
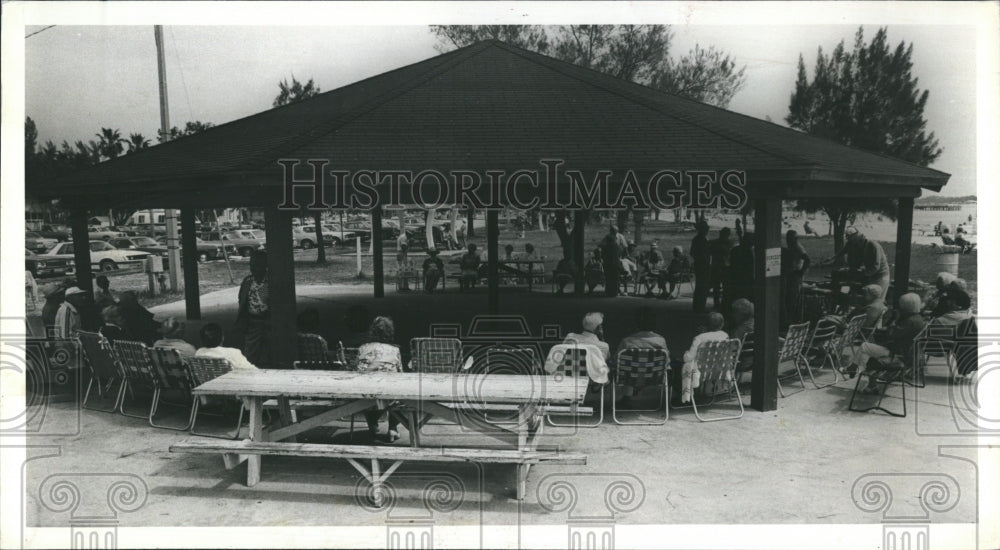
256	434
414	429
286	415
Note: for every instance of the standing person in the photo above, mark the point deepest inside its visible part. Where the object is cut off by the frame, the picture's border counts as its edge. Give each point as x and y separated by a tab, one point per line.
564	273
433	269
53	301
741	274
104	297
404	268
720	249
613	245
867	259
794	263
593	272
469	264
739	230
380	354
254	317
702	259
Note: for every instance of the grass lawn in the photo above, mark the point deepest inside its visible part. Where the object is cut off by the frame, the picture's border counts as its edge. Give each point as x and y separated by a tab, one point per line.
341	266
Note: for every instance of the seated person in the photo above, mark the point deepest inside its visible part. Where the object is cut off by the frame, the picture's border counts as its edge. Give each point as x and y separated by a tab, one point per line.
211	341
652	266
433	269
564	273
114	323
873	307
955	306
380	354
170	337
508	253
138	319
593	334
628	261
940	292
680	263
469	263
529	252
690	375
593	271
312	346
104	296
644	338
899	340
743	318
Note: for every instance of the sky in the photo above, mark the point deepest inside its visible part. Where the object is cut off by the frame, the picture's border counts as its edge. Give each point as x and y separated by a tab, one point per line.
81	78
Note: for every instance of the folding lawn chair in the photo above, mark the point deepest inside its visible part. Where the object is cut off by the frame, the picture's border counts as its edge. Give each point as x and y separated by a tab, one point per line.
572	364
204	369
791	350
639	368
717	366
133	358
824	344
173	375
312	347
104	372
443	355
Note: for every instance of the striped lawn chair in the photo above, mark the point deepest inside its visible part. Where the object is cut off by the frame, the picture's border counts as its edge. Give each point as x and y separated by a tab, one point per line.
204	369
639	368
825	345
104	372
312	347
133	358
717	365
174	375
573	365
795	341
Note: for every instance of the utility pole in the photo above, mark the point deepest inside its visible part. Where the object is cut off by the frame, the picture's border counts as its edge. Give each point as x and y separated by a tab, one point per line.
170	214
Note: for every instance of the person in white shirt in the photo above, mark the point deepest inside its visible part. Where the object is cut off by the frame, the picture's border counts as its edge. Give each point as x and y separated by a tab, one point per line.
593	334
690	374
172	330
211	340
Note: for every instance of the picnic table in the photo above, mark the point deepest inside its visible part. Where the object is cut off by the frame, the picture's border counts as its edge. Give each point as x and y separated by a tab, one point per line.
457	398
528	273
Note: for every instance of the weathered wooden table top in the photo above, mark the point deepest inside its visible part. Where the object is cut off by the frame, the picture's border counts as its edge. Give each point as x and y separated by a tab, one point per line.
468	388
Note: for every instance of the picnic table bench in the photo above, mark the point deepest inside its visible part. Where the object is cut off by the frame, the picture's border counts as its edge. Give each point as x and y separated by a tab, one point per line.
416	396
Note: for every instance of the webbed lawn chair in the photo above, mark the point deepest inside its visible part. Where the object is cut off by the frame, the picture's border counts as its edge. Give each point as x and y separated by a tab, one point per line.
639	368
204	369
104	372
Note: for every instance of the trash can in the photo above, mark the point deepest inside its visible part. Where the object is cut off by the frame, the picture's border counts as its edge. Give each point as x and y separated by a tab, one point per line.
947	261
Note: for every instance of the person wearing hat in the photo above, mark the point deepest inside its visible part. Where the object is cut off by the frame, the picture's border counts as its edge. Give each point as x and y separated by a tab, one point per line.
171	331
433	269
702	260
593	334
68	317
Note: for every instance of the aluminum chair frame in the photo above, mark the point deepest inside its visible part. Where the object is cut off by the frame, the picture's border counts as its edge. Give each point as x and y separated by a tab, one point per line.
825	341
889	374
103	369
133	358
574	365
631	366
174	374
715	360
426	355
202	370
796	338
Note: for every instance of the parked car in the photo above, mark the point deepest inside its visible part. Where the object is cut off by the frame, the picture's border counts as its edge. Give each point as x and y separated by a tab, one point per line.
37	243
207	250
57	232
103	256
305	236
245	240
40	266
105	234
145	244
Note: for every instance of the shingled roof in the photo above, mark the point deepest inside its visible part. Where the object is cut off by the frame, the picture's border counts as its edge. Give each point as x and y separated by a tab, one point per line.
493	106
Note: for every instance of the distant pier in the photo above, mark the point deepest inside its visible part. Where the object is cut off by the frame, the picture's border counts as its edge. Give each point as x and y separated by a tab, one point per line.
939	207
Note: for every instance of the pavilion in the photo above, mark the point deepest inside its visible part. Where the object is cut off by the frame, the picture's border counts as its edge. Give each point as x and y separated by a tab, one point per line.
489	106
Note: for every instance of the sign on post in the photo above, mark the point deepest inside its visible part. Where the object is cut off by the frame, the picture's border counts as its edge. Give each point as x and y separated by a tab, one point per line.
772	262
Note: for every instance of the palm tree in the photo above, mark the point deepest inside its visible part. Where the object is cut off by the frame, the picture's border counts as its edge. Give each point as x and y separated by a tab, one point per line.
136	142
112	143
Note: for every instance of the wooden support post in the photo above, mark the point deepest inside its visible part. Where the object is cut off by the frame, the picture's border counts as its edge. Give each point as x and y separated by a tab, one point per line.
81	250
189	250
904	236
281	286
767	302
493	258
579	224
377	272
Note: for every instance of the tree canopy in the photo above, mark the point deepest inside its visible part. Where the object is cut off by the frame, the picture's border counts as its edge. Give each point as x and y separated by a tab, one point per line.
866	98
638	53
296	91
